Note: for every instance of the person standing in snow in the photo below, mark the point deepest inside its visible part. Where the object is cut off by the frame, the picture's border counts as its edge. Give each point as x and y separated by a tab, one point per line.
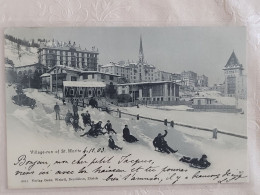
57	110
109	128
112	145
75	108
161	144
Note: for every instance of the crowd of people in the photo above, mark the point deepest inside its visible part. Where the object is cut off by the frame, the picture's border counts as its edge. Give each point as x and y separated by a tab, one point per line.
96	130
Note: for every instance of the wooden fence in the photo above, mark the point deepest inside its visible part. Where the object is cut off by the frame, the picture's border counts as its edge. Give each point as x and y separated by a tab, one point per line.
172	123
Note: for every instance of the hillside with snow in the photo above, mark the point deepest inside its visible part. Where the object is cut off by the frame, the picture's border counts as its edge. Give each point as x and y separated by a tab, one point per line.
39	130
20	56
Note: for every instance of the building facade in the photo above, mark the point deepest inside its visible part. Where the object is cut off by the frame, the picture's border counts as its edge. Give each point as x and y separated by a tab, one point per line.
53	80
189	78
56	53
235	80
157	91
202	81
116	69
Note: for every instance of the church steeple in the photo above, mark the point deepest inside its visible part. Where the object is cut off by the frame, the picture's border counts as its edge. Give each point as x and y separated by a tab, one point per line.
141	52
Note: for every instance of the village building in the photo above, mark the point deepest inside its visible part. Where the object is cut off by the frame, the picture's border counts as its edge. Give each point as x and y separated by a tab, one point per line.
235	80
153	92
189	78
30	69
116	69
208	104
61	79
163	76
202	81
58	53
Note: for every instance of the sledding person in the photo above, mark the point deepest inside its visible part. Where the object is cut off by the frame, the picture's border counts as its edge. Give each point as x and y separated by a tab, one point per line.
76	126
75	108
112	145
127	136
98	128
76	116
57	110
161	144
202	163
68	117
91	131
86	119
108	127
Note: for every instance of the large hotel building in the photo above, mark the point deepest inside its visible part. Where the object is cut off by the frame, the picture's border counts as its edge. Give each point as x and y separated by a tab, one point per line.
70	55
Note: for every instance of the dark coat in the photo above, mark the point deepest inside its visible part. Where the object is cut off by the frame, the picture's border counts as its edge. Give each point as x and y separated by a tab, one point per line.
57	108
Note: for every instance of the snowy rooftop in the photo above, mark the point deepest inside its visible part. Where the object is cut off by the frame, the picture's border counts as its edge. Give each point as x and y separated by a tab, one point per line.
45	75
83	84
203	98
142	83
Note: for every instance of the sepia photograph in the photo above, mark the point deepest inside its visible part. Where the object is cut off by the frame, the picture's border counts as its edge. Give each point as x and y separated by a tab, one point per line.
120	106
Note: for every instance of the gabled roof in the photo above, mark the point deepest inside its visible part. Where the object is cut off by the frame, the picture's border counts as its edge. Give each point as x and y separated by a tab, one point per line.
233	61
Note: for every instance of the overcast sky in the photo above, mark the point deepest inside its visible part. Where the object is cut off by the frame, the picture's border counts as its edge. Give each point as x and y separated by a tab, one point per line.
204	50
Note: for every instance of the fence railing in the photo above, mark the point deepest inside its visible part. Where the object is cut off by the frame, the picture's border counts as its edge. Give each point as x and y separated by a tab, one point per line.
172	124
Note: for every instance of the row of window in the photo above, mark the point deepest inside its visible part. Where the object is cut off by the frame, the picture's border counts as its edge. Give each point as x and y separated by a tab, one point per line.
66	53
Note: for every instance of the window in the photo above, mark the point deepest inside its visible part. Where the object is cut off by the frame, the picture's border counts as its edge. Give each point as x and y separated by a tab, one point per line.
90	92
93	76
80	92
71	91
111	78
73	78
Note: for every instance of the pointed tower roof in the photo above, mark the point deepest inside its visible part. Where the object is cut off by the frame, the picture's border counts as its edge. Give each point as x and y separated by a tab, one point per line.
233	61
141	52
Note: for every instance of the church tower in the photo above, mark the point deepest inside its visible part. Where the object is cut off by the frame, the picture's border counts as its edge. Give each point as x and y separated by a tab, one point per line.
141	52
235	81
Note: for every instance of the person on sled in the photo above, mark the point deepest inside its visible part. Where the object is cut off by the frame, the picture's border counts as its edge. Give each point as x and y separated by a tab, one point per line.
162	145
108	127
201	163
127	136
112	145
86	119
68	118
91	131
76	126
98	128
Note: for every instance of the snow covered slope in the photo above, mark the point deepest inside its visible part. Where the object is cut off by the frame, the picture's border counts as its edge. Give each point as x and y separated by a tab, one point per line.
38	128
25	56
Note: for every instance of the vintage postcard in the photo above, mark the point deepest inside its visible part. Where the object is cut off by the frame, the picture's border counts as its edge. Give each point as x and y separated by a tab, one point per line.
110	106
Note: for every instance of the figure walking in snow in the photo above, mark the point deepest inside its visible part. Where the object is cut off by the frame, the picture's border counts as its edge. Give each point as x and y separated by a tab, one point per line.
109	128
161	144
57	110
127	136
112	145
